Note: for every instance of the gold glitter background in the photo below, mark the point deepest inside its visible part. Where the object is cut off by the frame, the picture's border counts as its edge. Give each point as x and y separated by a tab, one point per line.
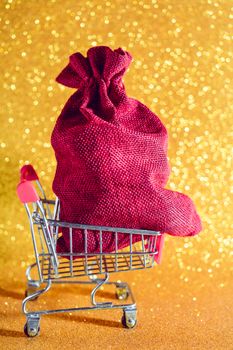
182	70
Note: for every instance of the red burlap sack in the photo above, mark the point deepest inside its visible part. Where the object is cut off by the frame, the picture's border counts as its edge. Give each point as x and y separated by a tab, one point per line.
111	153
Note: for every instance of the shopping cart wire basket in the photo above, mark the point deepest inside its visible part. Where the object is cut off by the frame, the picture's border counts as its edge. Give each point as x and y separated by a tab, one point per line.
52	267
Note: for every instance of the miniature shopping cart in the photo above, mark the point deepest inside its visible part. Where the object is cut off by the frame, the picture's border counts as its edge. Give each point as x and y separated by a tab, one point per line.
52	267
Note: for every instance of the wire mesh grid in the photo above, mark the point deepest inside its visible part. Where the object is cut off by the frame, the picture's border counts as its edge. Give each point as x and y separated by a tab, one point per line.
97	264
135	256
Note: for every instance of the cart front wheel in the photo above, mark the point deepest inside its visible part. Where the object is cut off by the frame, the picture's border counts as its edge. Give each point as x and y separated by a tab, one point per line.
32	326
31	332
129	319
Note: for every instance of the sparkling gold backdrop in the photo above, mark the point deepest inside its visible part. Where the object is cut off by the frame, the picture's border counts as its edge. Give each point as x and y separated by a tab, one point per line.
182	70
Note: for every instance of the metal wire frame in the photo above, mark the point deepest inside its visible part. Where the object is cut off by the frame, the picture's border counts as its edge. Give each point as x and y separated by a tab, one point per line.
52	265
55	268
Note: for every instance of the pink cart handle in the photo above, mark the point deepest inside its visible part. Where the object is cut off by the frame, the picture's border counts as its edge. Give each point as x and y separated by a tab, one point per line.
27	172
26	192
159	247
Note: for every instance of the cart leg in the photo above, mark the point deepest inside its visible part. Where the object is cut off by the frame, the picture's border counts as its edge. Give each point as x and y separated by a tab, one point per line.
129	318
32	287
99	282
33	297
32	327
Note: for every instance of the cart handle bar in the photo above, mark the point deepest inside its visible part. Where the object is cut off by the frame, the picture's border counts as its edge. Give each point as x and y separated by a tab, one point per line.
26	192
25	189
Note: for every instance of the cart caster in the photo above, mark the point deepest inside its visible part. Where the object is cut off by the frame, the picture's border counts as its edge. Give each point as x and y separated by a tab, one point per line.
122	292
129	319
32	327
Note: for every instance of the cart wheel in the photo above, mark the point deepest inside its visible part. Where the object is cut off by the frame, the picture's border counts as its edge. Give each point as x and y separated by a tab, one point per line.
30	331
129	319
122	293
30	292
